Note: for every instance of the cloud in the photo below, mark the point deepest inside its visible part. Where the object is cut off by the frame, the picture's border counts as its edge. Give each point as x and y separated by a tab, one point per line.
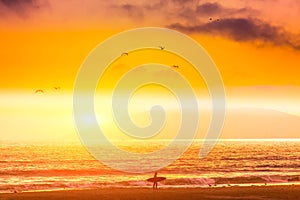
243	29
132	10
209	8
22	8
242	23
183	11
138	10
163	8
216	9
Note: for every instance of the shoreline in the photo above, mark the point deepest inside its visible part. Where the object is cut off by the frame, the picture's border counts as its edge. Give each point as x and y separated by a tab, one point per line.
233	192
163	187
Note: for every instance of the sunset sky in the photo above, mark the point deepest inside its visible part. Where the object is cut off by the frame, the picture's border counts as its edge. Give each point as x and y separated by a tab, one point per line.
255	45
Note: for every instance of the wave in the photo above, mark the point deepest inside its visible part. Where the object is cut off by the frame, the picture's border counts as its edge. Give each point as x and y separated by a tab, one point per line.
278	179
58	172
65	184
190	181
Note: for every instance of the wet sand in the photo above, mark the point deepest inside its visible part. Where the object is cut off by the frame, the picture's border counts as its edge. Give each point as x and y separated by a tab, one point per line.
226	193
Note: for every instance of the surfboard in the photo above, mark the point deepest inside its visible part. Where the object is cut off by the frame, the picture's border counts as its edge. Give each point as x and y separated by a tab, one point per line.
157	179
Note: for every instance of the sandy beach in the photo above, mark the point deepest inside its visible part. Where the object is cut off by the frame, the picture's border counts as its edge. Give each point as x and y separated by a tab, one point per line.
235	192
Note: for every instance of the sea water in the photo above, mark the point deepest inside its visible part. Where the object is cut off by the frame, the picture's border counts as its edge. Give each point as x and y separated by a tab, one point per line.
231	162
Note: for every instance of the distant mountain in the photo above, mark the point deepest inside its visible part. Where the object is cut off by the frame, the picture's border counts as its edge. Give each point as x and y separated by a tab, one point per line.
260	123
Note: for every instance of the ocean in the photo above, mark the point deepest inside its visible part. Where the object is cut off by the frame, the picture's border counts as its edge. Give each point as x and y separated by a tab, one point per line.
232	162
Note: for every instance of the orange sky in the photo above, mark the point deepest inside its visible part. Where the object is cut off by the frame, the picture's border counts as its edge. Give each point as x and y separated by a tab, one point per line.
43	44
46	45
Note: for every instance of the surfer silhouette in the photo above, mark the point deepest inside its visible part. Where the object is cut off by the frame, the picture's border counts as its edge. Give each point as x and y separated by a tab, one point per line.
155	181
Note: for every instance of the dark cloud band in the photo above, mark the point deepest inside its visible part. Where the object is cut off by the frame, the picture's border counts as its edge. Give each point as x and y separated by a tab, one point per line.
243	29
20	7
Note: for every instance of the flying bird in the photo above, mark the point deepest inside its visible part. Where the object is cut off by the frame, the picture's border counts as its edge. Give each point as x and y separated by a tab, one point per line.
210	19
161	47
39	90
56	88
175	66
125	53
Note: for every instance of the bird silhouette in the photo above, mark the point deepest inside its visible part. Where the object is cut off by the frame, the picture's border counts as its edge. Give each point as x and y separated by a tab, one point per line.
57	87
125	53
175	66
210	19
39	90
161	47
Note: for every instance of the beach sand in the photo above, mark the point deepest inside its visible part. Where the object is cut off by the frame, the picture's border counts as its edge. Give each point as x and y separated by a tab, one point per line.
226	193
